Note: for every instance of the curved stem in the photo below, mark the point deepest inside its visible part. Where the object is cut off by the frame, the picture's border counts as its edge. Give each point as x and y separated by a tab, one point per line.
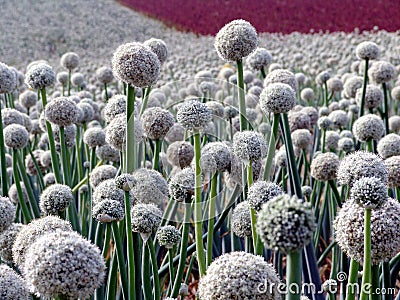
4	177
183	251
120	257
54	157
386	107
156	279
364	88
271	146
25	210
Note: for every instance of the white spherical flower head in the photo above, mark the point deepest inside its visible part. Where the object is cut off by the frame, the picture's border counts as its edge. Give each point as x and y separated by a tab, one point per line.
193	114
136	64
70	60
39	76
236	40
368	127
239	275
249	146
55	198
8	80
259	59
61	111
367	50
381	72
369	192
389	146
64	264
15	136
12	286
286	223
277	98
156	122
282	76
104	75
241	220
361	164
158	47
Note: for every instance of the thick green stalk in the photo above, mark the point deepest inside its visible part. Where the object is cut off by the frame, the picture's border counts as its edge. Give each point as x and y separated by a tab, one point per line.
156	279
292	158
253	213
385	107
138	265
146	275
367	276
28	187
271	146
323	140
293	275
171	266
364	88
64	160
4	177
183	251
130	130
129	246
242	103
145	99
25	210
121	261
197	206
375	295
156	156
54	157
386	282
211	218
112	277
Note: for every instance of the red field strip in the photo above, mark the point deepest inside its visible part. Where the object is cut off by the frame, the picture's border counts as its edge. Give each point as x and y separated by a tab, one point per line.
208	16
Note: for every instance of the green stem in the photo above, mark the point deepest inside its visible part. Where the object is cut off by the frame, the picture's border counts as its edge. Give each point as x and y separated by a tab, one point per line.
146	277
352	280
129	246
171	266
145	99
54	157
323	140
293	275
183	251
242	103
25	210
386	107
138	265
197	206
375	295
4	177
364	88
64	161
112	278
370	145
156	279
156	156
105	91
211	218
271	146
69	83
292	158
121	261
386	282
367	277
130	130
